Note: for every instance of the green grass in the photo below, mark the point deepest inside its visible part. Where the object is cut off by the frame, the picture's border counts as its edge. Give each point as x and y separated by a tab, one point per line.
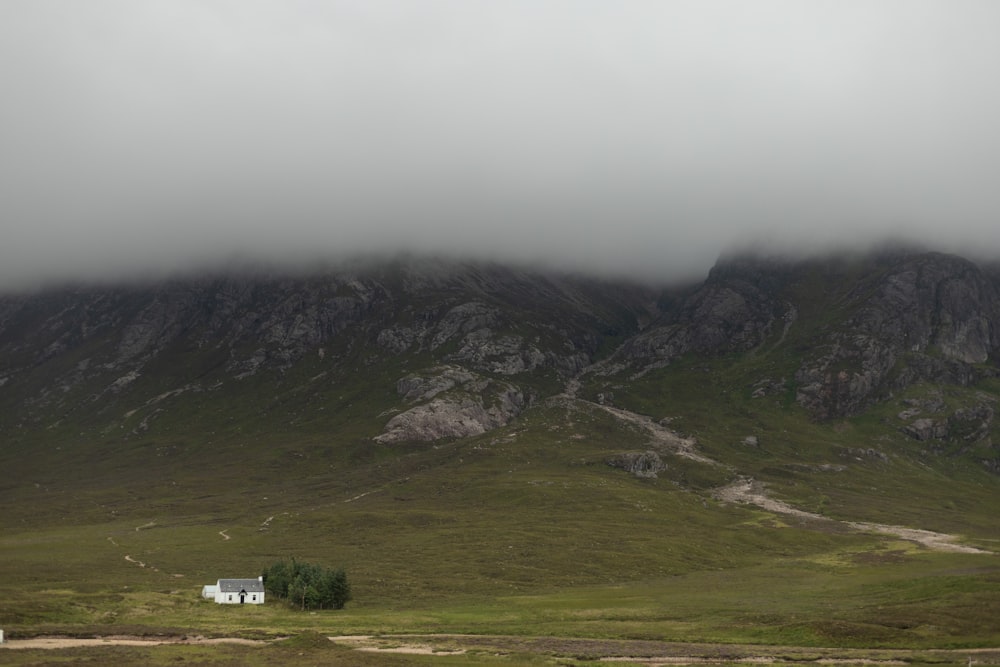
817	466
525	531
522	531
914	600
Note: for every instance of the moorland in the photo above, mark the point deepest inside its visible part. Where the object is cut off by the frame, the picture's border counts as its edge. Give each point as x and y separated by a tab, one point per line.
512	467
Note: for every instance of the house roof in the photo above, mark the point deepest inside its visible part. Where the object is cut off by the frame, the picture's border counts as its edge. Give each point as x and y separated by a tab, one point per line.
236	585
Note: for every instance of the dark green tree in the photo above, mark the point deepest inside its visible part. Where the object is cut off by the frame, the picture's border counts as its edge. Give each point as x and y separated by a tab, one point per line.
334	590
278	577
307	585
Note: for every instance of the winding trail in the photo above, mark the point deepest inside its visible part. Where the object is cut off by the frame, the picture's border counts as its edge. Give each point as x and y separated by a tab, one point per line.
745	490
661	436
928	538
653	652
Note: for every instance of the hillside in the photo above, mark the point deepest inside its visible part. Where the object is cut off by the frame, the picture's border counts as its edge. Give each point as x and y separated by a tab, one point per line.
455	433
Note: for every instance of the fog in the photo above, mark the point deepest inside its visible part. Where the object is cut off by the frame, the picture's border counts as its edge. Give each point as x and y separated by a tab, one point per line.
625	138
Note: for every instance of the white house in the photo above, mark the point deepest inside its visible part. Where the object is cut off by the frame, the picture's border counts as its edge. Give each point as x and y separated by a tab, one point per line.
235	591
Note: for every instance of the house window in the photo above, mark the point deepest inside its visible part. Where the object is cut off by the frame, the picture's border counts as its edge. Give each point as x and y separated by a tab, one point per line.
254	598
230	598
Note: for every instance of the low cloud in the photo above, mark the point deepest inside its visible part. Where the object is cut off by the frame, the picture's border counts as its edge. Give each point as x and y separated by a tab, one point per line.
633	138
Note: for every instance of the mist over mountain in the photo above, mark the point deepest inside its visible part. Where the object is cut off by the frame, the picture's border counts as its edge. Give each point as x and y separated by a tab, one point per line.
464	348
640	139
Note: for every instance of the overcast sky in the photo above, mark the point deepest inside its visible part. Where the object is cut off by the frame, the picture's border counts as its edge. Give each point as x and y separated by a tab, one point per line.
611	136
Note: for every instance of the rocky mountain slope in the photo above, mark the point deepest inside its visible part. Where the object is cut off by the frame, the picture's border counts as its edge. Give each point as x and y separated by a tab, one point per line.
458	350
473	345
845	332
446	430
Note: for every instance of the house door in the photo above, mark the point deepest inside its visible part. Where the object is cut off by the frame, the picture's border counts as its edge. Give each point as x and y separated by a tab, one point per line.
243	597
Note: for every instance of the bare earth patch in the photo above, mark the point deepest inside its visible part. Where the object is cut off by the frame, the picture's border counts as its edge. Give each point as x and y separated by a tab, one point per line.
747	491
644	652
653	653
661	435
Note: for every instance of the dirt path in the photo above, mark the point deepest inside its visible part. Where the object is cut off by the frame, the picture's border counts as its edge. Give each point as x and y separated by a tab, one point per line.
745	490
662	437
647	652
929	539
749	492
136	562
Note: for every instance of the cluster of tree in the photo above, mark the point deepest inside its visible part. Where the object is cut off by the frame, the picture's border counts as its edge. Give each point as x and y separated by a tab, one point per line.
307	586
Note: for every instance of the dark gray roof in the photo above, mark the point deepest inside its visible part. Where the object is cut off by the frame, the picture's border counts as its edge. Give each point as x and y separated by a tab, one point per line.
236	585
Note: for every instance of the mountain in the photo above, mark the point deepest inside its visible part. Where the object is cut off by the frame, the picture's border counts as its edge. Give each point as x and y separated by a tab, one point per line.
435	351
554	430
858	329
469	347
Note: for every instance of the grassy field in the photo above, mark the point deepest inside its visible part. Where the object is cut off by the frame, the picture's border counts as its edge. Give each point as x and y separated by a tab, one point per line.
524	532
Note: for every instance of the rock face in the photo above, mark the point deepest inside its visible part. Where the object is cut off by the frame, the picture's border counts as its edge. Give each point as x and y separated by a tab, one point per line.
930	421
487	337
931	317
453	350
872	326
926	429
735	310
640	464
454	403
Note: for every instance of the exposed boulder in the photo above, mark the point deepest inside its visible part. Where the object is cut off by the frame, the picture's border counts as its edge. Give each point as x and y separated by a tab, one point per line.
866	453
971	424
965	425
458	404
768	387
451	417
427	386
640	464
927	429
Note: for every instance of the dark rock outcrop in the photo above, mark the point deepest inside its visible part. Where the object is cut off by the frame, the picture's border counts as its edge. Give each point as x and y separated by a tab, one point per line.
835	335
640	464
735	310
863	327
931	317
64	351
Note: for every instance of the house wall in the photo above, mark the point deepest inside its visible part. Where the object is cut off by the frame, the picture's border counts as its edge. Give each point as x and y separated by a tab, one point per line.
234	598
